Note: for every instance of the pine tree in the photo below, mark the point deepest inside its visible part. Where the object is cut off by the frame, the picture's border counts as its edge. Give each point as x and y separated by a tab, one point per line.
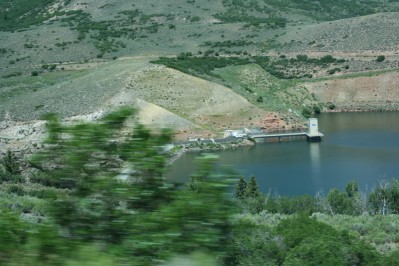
10	168
241	188
252	190
10	163
352	188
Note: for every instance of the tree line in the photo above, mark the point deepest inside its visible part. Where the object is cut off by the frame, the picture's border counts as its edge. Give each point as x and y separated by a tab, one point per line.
383	199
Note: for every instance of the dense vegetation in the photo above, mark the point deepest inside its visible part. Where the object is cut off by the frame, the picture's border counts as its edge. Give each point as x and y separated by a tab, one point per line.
284	68
19	14
322	230
98	196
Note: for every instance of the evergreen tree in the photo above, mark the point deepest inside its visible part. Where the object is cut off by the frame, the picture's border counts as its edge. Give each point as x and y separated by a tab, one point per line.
352	188
252	190
339	202
10	163
10	168
241	188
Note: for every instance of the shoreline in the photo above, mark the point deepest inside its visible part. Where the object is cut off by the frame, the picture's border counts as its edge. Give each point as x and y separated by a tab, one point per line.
359	110
196	147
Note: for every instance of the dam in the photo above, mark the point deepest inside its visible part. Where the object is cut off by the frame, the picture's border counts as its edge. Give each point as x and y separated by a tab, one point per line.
312	135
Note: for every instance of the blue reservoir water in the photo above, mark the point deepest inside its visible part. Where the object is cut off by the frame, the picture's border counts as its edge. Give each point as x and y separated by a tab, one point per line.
356	146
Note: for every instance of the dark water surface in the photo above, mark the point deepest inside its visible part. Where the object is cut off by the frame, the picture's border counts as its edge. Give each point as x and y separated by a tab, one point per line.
356	146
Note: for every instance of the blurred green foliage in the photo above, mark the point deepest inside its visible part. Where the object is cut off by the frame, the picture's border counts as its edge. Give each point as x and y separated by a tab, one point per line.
109	197
13	234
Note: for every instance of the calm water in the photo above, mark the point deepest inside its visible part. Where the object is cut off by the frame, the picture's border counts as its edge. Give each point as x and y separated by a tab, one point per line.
356	146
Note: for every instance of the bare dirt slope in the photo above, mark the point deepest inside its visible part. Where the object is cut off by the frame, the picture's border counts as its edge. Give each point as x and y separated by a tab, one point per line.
376	92
209	105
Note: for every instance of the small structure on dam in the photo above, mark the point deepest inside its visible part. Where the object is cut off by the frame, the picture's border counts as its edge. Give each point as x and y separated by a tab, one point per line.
313	130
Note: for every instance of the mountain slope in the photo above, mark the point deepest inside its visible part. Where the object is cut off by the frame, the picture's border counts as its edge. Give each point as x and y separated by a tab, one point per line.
80	57
165	97
75	30
366	35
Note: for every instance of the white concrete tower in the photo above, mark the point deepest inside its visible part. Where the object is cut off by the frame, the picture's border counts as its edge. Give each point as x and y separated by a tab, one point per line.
313	127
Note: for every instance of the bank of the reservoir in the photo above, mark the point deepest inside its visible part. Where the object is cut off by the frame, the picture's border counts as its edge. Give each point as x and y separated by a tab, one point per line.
242	138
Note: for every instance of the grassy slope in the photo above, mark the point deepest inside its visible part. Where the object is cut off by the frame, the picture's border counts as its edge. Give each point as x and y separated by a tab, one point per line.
68	92
278	95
